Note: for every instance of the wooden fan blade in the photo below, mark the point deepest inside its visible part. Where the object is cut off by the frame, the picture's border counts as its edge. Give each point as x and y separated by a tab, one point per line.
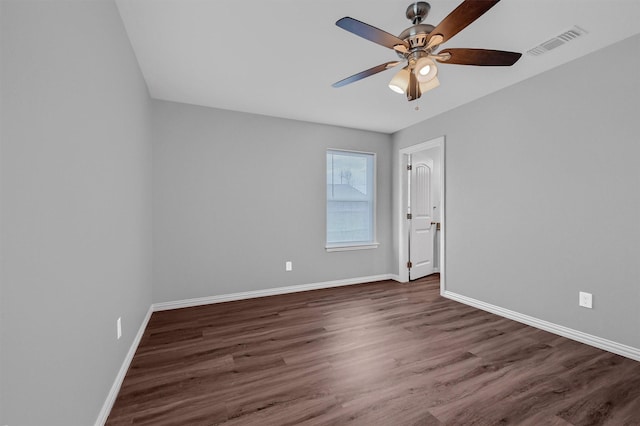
463	15
481	57
371	33
365	73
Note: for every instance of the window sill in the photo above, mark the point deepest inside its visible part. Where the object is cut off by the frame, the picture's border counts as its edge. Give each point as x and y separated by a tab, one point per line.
350	247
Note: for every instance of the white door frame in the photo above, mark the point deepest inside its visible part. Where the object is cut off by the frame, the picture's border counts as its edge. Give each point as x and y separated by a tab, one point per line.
402	225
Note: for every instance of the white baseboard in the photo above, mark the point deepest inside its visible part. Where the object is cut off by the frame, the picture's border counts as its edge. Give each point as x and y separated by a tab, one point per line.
395	277
598	342
187	303
115	388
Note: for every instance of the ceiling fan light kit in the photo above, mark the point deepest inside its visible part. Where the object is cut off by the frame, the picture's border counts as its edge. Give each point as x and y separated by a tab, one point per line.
431	84
416	46
426	69
400	81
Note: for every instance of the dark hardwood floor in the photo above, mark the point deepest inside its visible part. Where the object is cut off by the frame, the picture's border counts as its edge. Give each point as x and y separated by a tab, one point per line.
372	354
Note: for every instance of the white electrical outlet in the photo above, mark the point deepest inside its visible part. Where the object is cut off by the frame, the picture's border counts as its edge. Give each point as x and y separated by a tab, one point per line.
586	300
119	327
288	266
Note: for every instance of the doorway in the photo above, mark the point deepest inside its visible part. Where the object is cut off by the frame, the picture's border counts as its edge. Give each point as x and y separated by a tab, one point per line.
421	212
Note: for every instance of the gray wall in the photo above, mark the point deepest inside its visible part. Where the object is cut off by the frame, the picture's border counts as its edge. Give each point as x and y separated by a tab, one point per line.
236	195
76	207
543	196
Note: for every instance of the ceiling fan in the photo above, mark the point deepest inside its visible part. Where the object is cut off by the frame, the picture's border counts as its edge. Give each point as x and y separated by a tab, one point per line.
417	44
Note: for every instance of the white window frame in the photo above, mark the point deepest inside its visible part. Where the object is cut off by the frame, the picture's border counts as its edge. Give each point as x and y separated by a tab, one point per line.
353	245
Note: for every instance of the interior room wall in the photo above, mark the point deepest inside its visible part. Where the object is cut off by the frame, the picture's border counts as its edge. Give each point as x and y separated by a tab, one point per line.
76	207
237	195
542	194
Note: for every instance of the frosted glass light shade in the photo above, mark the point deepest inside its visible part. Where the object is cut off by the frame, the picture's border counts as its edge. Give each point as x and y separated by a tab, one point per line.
400	81
425	70
431	84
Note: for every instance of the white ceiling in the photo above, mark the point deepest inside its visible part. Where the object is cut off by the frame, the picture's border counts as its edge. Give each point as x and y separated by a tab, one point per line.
280	57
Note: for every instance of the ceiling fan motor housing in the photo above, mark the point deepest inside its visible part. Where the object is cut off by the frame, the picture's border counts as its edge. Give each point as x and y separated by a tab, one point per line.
416	12
416	35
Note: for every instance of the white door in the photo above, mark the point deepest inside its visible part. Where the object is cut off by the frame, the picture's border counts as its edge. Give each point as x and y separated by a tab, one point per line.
422	232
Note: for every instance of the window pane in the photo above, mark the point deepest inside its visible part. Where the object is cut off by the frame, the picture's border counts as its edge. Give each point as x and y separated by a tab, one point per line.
350	197
348	221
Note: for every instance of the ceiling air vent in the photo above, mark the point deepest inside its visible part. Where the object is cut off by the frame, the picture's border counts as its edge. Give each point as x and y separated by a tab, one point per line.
558	41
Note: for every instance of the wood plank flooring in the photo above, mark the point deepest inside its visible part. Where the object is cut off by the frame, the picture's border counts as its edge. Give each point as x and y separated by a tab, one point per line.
372	354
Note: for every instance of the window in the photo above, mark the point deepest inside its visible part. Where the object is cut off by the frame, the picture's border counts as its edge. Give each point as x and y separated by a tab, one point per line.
350	200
